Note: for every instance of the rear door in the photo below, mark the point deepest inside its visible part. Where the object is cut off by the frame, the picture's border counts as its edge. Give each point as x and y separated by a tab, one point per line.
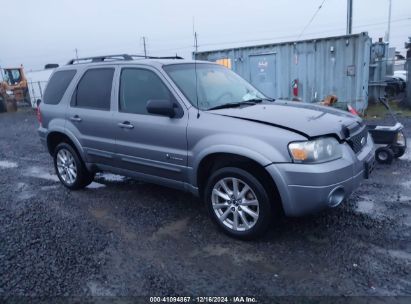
151	144
89	116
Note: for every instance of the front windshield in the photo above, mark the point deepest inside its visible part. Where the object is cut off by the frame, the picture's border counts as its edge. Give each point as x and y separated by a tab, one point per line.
216	85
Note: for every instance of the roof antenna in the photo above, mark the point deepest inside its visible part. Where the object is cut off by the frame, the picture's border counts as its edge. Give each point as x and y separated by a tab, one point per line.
195	69
145	47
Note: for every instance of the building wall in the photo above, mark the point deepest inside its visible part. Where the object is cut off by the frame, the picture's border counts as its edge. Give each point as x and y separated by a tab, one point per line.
327	66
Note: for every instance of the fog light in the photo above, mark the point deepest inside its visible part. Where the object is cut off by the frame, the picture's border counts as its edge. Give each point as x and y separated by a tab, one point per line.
336	196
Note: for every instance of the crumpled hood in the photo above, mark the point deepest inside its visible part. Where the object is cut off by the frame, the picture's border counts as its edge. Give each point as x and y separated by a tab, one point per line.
306	119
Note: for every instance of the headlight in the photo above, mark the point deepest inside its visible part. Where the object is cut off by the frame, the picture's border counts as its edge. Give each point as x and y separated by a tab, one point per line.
315	151
9	92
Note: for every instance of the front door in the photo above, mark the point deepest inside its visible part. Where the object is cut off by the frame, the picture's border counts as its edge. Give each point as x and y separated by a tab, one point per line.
150	144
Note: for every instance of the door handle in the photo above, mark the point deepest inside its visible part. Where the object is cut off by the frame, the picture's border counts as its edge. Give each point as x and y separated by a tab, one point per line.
75	118
125	125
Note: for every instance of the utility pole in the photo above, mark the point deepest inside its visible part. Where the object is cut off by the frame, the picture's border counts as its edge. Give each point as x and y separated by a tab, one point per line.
144	45
195	42
408	69
75	50
195	39
387	34
349	17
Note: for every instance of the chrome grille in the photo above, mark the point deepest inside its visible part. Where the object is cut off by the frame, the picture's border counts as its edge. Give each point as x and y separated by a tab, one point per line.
358	140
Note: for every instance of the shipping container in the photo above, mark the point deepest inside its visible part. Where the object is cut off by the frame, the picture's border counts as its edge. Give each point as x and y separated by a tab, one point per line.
306	70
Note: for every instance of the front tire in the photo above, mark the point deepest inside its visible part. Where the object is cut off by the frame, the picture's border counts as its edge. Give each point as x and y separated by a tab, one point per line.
238	203
70	169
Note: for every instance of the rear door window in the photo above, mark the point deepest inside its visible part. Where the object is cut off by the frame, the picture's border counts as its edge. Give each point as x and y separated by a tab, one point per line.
94	89
57	85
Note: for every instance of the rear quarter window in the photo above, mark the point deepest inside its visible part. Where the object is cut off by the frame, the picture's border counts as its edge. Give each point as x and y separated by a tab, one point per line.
57	85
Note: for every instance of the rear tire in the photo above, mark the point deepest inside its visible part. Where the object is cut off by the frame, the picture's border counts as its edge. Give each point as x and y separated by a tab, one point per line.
384	155
70	169
238	203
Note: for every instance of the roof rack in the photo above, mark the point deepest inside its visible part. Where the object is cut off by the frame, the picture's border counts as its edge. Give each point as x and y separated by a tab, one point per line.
156	57
100	58
117	57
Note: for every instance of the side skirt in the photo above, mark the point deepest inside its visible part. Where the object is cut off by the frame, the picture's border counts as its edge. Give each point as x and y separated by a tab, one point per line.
146	178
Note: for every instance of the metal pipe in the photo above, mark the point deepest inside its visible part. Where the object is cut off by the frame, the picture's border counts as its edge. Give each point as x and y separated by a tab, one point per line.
387	35
349	17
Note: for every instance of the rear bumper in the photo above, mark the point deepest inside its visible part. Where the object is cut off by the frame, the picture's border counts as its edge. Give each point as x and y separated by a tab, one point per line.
306	189
42	132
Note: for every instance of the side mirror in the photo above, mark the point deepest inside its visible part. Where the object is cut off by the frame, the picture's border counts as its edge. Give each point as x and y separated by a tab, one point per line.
38	102
161	107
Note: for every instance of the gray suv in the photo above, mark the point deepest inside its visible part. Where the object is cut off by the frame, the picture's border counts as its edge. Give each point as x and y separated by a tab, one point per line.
199	127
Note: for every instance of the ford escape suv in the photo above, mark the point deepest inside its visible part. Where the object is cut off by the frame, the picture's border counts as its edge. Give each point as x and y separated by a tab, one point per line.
199	127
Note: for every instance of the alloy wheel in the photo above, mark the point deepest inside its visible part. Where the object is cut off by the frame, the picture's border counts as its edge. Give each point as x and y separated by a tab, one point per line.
66	166
235	204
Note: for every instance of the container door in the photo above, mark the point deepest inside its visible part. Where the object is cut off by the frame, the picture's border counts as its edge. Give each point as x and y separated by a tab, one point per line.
263	73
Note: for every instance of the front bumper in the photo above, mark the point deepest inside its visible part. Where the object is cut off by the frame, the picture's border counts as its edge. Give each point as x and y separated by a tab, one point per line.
307	188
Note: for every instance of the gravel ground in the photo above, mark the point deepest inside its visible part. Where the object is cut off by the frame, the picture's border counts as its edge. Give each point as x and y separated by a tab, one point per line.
122	237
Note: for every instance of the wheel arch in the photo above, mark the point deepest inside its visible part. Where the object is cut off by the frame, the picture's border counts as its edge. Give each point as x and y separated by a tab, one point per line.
57	136
216	160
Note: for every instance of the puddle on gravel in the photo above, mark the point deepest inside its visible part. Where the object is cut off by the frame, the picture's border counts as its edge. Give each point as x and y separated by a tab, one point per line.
5	164
99	213
24	192
172	229
97	290
406	184
42	173
407	155
47	188
110	177
24	195
394	253
372	209
404	199
95	185
407	220
400	254
367	207
237	257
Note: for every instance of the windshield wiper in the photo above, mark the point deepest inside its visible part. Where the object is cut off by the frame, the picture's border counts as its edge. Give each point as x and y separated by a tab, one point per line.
236	104
261	99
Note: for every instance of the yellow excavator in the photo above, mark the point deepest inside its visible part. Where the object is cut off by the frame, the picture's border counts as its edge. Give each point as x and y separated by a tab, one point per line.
13	88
